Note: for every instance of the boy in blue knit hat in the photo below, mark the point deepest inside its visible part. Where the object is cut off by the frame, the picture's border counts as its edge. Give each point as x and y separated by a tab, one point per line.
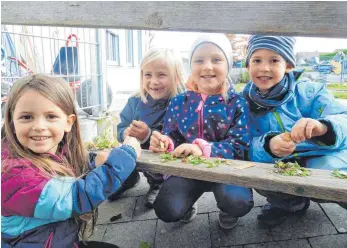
280	102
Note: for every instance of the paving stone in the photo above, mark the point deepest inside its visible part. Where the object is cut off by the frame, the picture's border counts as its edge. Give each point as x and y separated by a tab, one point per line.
337	215
259	200
302	243
131	234
142	212
188	235
124	206
247	231
207	203
313	223
141	189
331	241
98	234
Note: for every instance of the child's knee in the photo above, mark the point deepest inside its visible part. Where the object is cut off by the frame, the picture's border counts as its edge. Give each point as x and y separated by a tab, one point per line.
238	204
167	212
237	208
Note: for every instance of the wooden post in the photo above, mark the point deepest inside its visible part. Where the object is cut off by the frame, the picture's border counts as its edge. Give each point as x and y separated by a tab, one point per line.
306	18
321	184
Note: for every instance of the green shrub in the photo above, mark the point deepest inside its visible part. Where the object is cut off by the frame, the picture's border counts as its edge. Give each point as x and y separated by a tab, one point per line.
239	87
337	86
244	78
340	94
329	56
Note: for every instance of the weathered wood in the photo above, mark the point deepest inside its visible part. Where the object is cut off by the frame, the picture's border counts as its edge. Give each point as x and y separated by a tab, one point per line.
309	18
319	185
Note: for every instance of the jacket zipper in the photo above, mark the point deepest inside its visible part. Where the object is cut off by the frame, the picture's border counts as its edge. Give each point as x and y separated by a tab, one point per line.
48	243
200	111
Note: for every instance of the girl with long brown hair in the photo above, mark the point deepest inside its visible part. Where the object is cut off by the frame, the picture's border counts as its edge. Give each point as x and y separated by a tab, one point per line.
50	189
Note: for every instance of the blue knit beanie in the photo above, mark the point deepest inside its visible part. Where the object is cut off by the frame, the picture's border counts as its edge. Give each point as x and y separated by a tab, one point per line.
220	40
283	45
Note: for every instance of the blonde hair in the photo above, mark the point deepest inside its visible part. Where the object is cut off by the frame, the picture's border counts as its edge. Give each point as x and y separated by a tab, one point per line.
175	65
225	88
56	90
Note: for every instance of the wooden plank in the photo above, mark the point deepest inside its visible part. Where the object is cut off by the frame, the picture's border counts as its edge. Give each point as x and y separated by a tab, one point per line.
319	185
308	18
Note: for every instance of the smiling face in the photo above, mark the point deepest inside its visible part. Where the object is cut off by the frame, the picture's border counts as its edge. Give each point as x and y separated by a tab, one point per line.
267	68
39	124
156	79
209	68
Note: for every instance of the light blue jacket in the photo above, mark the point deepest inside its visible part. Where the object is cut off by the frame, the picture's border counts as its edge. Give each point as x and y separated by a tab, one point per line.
311	100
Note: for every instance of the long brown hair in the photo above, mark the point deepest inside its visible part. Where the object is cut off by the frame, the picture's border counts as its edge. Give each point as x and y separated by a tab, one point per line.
57	91
75	157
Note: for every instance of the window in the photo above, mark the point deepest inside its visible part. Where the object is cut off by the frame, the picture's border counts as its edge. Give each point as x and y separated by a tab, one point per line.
139	42
112	47
129	47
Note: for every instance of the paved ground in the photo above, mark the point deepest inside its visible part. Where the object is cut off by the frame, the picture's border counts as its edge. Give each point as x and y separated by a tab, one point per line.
324	226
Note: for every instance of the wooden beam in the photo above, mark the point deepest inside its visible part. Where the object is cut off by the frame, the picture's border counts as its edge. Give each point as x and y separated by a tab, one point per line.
309	18
320	184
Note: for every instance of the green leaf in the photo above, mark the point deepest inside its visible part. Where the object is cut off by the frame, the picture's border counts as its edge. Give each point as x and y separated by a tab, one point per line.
165	157
144	244
291	169
194	160
339	174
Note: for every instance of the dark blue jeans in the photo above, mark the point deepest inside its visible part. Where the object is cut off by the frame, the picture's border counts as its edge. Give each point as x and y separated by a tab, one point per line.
291	202
177	195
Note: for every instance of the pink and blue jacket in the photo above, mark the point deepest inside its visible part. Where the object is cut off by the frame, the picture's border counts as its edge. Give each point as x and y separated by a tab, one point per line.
37	211
219	127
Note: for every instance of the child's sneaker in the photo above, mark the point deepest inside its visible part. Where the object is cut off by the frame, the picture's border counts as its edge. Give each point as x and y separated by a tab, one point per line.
191	214
152	195
227	221
272	216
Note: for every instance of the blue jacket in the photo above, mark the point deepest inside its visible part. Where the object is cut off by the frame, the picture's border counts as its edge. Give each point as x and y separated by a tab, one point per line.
223	124
38	211
311	100
129	113
152	113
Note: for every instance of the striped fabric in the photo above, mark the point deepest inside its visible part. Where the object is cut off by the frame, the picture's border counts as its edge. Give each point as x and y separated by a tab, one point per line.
283	45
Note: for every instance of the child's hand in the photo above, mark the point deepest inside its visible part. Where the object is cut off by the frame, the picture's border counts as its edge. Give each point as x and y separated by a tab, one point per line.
126	132
306	128
139	130
159	142
280	147
101	158
131	141
187	149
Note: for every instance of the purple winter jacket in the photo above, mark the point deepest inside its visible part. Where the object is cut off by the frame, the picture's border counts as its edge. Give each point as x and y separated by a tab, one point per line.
38	211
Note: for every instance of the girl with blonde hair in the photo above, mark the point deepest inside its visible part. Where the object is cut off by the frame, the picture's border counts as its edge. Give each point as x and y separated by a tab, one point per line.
160	79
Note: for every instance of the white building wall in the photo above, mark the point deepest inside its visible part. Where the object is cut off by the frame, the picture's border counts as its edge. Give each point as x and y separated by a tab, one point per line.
125	77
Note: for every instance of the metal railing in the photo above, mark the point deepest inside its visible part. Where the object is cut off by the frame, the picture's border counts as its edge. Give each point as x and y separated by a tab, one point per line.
70	53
